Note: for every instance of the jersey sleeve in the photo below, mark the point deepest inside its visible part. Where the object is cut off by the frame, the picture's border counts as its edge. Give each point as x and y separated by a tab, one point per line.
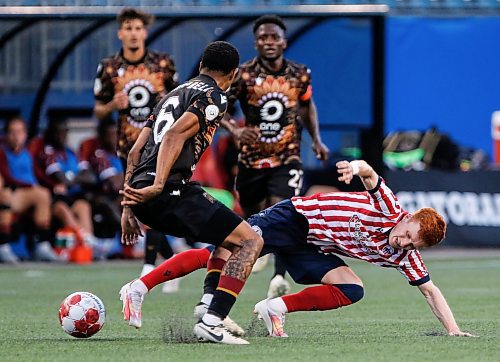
103	84
305	94
413	269
209	107
384	200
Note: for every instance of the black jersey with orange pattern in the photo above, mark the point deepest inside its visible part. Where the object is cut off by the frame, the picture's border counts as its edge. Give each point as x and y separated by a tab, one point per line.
145	82
200	96
270	101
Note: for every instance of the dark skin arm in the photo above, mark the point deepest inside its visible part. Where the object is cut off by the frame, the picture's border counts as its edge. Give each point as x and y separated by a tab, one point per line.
130	226
309	115
171	146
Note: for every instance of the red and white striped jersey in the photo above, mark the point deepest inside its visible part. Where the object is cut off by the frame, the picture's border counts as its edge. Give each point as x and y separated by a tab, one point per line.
357	225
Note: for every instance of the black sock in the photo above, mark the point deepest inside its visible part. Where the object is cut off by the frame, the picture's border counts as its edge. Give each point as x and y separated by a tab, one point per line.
153	238
279	267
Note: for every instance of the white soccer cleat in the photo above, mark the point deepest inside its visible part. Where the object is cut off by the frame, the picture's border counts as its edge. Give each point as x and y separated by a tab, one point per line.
260	264
201	308
216	334
275	321
132	303
278	286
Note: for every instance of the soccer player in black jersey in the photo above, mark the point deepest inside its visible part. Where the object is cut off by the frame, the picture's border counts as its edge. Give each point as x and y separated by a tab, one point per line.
159	193
275	95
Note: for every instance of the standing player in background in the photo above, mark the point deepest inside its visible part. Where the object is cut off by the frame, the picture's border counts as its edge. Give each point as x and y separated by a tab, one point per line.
275	95
158	190
132	82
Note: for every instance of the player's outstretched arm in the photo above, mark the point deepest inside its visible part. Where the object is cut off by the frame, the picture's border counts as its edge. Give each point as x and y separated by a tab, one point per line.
357	168
441	310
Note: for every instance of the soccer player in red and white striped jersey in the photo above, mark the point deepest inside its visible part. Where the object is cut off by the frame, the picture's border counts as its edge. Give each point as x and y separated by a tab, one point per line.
368	225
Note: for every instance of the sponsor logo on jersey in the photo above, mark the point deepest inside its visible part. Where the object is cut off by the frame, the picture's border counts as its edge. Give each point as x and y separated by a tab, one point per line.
360	237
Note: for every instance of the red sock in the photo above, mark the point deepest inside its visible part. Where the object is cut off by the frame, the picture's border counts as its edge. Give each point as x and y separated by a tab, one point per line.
177	266
323	297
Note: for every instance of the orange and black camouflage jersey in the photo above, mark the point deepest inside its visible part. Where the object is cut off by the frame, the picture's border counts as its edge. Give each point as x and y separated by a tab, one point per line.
145	82
270	101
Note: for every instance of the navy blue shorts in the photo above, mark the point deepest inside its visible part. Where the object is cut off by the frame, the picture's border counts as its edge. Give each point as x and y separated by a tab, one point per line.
284	231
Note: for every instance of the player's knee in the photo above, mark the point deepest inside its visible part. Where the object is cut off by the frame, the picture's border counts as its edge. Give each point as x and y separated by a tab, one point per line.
354	292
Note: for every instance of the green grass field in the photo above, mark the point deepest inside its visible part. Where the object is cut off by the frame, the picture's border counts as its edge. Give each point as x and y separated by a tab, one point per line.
391	323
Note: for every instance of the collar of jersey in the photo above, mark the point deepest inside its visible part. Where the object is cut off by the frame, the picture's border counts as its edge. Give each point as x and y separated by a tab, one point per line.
280	71
146	53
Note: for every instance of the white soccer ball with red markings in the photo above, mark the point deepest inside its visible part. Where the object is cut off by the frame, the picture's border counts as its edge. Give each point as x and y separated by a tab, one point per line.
82	314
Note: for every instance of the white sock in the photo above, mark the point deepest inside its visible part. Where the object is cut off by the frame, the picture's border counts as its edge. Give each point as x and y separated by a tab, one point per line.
211	320
207	299
277	305
146	269
139	286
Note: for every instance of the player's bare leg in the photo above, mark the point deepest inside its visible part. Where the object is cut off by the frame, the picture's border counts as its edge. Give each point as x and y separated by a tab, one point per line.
246	246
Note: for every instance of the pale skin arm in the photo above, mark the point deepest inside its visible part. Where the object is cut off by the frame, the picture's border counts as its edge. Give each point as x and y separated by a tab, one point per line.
367	174
441	310
103	110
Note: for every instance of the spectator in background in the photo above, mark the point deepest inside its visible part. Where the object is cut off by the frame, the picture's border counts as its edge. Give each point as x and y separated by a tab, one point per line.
26	196
56	167
275	95
6	253
98	156
131	82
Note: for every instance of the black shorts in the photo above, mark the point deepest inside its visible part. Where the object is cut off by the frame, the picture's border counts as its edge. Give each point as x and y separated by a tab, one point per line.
285	231
256	185
186	210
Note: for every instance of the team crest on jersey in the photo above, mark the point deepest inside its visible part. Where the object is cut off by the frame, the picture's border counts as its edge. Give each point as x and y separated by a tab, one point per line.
211	112
387	250
359	236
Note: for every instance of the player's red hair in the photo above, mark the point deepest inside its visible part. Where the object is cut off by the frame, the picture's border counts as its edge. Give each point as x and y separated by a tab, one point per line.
432	226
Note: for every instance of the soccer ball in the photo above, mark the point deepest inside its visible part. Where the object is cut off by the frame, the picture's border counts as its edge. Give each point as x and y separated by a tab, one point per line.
82	314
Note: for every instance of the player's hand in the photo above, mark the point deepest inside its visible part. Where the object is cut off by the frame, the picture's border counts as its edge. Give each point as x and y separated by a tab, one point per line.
320	150
130	227
461	334
246	135
139	196
120	100
344	168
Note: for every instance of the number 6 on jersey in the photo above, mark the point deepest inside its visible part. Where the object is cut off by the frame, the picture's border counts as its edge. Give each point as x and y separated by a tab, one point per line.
165	118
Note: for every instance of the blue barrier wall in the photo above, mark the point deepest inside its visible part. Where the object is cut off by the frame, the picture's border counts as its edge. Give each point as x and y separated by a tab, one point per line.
444	72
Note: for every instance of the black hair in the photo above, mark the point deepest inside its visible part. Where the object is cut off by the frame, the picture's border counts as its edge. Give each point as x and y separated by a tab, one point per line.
10	121
269	19
131	14
52	126
220	56
104	125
